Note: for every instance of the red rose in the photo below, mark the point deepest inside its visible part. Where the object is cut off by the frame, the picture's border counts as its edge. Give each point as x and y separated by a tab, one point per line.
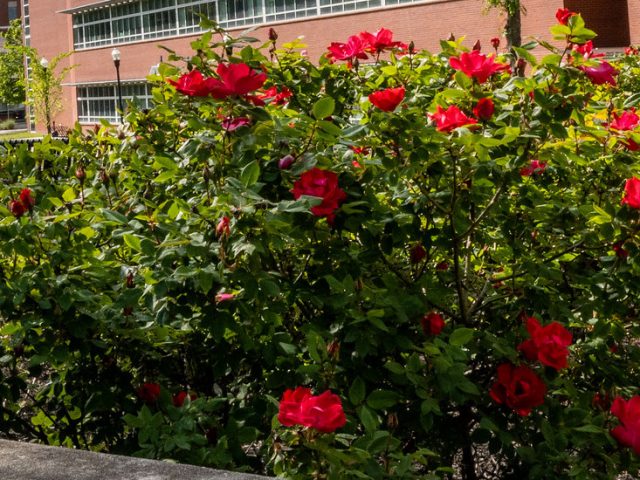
484	109
450	119
277	98
289	413
236	79
149	392
322	412
322	184
535	167
231	124
432	323
193	84
379	41
179	398
417	254
626	121
27	200
632	193
628	412
16	208
603	73
442	266
548	344
495	42
631	51
224	297
477	65
387	100
586	50
354	48
618	248
563	15
223	228
519	388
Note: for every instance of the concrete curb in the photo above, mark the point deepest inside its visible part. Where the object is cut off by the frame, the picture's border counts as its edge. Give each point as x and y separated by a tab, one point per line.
28	461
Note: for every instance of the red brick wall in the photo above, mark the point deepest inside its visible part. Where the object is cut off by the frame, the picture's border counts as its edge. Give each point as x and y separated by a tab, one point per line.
426	24
634	21
608	18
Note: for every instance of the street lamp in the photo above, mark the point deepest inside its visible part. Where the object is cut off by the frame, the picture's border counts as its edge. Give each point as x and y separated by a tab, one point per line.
44	63
115	54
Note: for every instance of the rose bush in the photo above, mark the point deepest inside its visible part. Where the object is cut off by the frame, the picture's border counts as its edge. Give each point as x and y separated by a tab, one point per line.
242	247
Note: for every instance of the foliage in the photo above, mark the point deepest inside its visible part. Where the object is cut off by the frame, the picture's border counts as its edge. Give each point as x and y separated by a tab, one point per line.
12	65
44	92
172	250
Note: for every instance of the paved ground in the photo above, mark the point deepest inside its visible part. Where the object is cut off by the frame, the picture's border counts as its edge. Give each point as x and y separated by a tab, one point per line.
27	461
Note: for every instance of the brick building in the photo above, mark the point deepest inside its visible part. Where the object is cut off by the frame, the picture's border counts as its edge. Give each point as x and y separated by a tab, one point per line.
92	28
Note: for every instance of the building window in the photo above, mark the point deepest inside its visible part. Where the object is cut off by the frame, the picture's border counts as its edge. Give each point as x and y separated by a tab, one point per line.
12	10
149	19
97	102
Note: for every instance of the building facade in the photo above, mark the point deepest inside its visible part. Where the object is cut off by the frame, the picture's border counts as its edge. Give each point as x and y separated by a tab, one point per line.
91	29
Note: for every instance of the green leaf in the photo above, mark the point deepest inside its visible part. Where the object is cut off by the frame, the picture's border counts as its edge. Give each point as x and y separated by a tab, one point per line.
323	108
357	391
368	418
380	399
461	336
132	242
250	173
590	429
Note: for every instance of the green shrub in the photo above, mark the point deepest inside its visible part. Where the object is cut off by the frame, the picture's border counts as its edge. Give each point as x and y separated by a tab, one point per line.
8	124
184	253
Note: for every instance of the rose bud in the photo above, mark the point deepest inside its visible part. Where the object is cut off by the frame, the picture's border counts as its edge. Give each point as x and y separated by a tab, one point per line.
80	174
273	35
495	42
476	46
417	254
130	280
285	162
223	228
432	323
442	266
16	208
333	349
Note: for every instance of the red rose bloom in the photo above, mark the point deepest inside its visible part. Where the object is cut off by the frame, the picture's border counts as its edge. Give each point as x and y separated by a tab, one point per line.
236	79
417	254
179	398
586	50
548	344
563	15
323	184
289	413
603	73
223	228
27	200
432	323
387	100
450	119
193	84
149	392
626	121
231	124
484	109
632	193
495	42
628	412
477	65
354	48
16	208
380	41
519	388
322	412
535	167
618	248
277	98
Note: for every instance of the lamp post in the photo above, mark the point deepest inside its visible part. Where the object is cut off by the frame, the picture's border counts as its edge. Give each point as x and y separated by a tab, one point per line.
44	63
115	55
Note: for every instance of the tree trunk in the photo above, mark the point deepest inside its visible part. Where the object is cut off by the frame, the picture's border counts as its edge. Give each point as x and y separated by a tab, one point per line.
513	28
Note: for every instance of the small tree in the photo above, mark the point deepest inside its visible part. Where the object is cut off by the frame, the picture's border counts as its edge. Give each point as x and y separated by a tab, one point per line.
513	9
12	66
44	92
